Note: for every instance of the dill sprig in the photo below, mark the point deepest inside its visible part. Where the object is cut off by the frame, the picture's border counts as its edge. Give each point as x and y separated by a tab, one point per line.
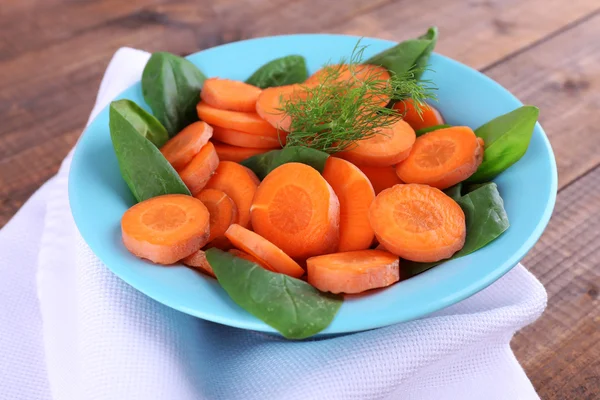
335	113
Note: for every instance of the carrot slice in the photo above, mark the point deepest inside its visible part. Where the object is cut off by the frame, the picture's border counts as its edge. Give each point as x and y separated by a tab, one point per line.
353	271
198	260
381	177
196	174
269	256
246	256
442	158
429	115
355	194
239	183
220	243
228	94
222	209
418	222
272	100
165	229
243	139
180	149
295	208
237	154
388	146
241	121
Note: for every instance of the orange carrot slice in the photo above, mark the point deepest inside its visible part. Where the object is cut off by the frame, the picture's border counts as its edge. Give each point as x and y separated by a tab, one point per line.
353	271
418	222
222	209
237	154
270	256
165	229
442	158
228	94
180	149
239	183
271	101
355	194
381	177
295	208
246	256
198	260
220	243
387	147
241	121
196	174
429	115
243	139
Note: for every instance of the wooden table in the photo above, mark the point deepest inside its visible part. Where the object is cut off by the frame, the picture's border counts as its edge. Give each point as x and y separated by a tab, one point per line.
547	52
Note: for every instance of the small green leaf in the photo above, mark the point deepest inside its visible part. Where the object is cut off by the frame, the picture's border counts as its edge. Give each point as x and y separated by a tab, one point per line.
506	140
281	71
293	307
486	219
171	87
423	131
455	192
408	55
143	167
264	163
143	122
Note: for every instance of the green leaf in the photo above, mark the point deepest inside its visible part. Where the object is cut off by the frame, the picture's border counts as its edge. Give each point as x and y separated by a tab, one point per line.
506	140
408	55
171	87
281	71
293	307
486	219
264	163
423	131
455	192
144	168
143	122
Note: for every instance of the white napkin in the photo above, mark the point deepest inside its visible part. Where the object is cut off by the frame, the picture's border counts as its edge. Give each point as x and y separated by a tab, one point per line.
88	335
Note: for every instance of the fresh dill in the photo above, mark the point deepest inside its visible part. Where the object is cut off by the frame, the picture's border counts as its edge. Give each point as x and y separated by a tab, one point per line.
349	104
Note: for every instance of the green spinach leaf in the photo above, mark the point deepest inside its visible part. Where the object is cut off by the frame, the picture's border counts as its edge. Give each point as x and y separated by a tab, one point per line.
423	131
506	140
264	163
143	122
171	87
408	55
455	192
281	71
293	307
486	219
144	168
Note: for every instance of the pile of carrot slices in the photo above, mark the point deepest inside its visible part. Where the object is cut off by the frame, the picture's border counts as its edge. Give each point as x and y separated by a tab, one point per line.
343	228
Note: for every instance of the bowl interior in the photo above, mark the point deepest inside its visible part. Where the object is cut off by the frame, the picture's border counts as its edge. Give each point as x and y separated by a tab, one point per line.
99	196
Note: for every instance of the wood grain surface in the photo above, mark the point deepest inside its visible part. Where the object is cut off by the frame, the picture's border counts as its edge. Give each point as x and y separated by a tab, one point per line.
53	54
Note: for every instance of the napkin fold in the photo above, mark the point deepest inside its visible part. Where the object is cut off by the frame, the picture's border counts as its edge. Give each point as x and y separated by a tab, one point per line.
88	335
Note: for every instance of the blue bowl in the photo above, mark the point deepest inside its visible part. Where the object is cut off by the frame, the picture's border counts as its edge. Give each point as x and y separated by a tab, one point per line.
99	196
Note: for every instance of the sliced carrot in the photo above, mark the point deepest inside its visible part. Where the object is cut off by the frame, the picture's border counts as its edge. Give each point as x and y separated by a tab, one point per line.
239	183
387	147
270	256
381	177
355	194
198	260
222	209
237	154
196	174
295	208
271	101
418	222
429	115
220	243
246	256
442	158
353	271
242	121
165	229
180	149
228	94
243	139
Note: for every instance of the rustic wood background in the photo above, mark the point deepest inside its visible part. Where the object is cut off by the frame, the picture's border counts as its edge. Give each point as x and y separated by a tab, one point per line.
547	52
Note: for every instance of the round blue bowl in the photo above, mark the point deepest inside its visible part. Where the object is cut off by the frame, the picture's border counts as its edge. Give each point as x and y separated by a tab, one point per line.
99	196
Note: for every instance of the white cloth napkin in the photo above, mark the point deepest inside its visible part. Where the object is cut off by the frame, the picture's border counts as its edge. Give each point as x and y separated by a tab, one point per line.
88	335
